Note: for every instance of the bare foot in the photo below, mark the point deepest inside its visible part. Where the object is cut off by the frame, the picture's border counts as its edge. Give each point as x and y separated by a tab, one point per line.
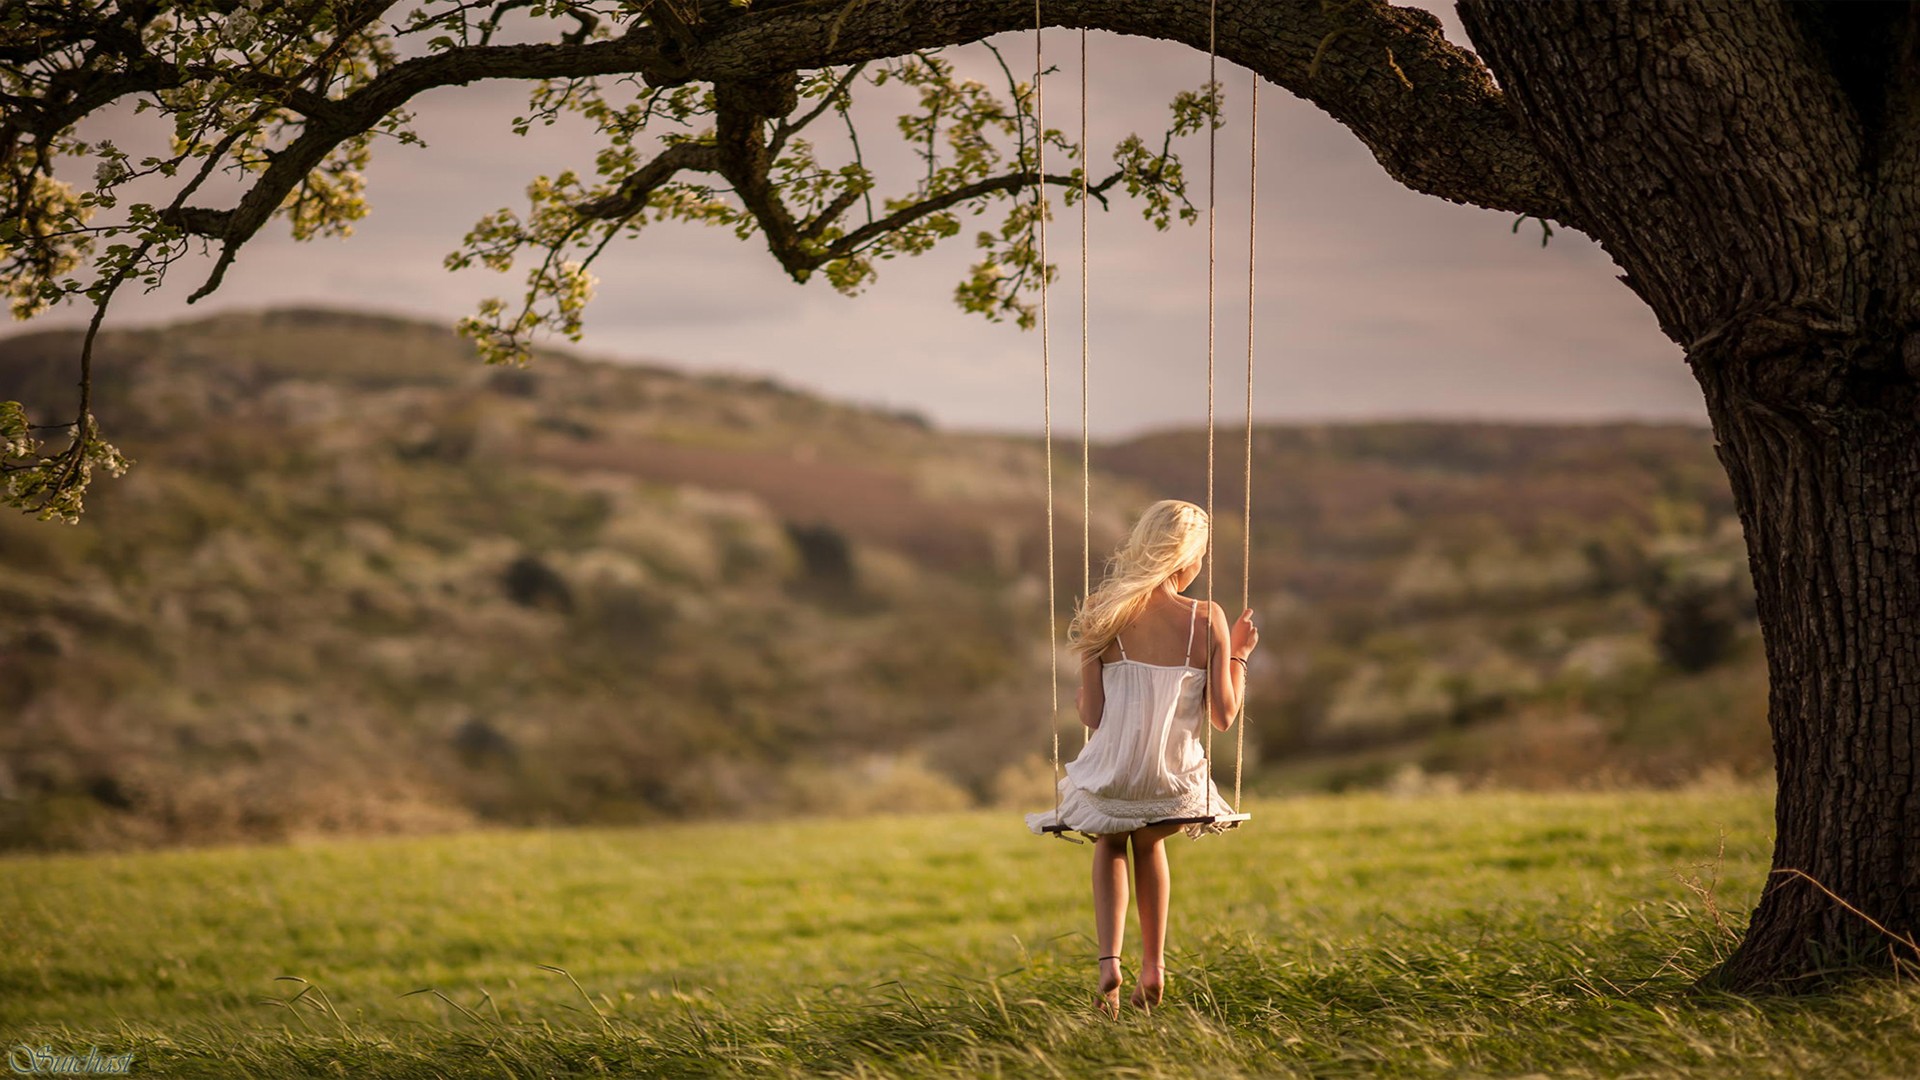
1110	986
1147	992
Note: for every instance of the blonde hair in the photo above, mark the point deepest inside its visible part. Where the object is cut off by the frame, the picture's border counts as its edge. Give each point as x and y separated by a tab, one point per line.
1169	535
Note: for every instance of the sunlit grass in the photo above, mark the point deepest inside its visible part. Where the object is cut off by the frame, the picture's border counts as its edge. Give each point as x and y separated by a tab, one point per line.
1477	935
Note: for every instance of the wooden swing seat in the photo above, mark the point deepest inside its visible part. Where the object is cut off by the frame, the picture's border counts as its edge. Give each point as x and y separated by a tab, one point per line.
1228	821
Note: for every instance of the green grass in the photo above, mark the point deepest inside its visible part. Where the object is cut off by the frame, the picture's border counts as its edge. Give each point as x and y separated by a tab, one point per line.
1479	935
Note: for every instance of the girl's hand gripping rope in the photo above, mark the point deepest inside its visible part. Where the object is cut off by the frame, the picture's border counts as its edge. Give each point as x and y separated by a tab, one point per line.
1245	635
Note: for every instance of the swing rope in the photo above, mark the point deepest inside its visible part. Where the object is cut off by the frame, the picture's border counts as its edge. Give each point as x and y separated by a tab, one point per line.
1246	474
1086	438
1213	127
1246	468
1046	398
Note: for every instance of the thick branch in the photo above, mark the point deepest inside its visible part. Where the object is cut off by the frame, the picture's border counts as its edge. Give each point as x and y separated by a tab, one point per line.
1725	175
1426	108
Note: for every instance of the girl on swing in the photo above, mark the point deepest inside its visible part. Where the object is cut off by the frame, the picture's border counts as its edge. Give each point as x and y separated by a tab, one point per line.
1147	670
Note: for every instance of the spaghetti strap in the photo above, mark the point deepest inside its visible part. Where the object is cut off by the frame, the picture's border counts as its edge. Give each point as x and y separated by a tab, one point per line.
1122	644
1192	615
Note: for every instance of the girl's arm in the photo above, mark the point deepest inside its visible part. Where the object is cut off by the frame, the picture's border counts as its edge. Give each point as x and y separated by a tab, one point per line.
1092	697
1226	678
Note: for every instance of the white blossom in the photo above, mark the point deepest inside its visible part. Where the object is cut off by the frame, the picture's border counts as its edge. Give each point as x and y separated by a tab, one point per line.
239	28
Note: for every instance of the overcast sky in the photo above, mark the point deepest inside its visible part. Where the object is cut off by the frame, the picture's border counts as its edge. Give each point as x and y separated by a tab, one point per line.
1373	301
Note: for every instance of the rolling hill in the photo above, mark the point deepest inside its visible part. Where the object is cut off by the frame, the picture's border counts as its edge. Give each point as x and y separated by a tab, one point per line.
359	581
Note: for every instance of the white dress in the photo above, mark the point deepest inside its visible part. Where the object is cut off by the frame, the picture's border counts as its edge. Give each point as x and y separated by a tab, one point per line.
1144	762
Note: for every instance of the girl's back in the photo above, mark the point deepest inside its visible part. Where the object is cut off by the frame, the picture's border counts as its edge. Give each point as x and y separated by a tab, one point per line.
1167	634
1146	751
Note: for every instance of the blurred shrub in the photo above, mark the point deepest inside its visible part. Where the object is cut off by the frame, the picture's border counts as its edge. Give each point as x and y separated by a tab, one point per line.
1026	784
1606	657
873	783
1698	624
630	615
531	582
514	382
479	743
825	556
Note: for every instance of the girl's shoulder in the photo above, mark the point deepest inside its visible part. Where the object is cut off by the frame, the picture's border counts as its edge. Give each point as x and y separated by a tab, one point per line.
1180	610
1216	615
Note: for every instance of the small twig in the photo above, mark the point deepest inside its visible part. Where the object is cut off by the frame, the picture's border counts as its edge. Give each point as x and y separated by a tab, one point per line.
1319	53
1546	227
1394	66
1706	892
853	136
783	129
1870	920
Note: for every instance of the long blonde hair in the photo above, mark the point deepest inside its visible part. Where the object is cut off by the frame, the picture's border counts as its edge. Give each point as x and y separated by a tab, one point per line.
1168	536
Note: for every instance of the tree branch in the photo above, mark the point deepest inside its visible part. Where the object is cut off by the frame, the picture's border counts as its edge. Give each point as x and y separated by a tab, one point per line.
1745	231
1427	109
631	196
360	110
907	215
1450	135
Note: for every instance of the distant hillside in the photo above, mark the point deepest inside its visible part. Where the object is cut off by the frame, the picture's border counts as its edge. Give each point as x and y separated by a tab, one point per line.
357	580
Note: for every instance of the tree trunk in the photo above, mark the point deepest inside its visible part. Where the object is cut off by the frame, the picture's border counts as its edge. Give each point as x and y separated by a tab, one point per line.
1756	181
1828	499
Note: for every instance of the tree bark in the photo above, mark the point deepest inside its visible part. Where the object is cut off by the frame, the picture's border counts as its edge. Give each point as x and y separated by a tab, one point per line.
1828	499
1758	193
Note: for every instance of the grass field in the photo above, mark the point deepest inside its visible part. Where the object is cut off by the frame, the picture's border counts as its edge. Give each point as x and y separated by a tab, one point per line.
1472	935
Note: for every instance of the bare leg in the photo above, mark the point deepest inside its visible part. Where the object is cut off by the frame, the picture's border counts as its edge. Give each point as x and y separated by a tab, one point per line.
1110	912
1153	880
